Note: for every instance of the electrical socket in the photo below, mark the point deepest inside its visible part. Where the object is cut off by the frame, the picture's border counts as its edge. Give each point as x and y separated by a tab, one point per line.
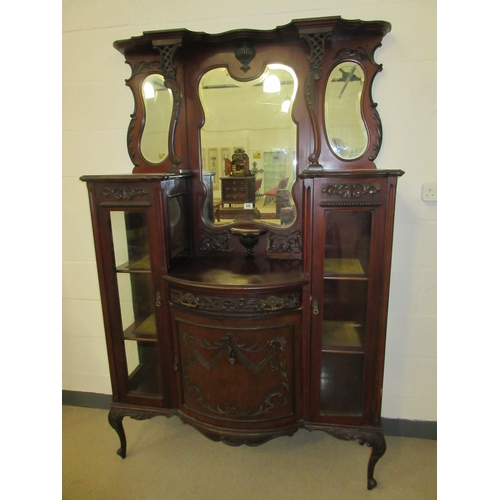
429	191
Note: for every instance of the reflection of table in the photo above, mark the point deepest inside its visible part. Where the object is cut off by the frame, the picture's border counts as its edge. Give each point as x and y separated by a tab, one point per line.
238	190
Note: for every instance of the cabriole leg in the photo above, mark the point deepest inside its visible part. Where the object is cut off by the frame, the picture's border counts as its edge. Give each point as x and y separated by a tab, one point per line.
378	446
373	438
115	418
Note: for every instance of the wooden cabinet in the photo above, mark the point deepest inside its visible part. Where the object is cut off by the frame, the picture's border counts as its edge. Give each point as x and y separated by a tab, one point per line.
352	238
238	190
238	198
251	329
140	228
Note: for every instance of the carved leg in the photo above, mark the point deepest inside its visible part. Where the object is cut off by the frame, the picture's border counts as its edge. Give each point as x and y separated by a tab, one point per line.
115	419
378	449
373	438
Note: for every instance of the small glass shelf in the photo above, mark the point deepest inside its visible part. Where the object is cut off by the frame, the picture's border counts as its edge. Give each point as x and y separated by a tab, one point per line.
144	330
141	265
342	336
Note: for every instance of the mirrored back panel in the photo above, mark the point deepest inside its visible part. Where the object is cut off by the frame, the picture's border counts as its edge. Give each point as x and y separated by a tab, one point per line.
247	111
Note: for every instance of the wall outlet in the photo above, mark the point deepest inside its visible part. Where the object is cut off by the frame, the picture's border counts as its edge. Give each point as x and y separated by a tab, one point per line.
429	191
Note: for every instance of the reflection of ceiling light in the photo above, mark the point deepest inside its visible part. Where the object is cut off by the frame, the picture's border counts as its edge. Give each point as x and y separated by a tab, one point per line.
272	84
149	91
286	105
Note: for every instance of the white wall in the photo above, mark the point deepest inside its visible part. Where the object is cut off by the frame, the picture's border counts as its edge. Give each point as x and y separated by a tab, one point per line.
96	109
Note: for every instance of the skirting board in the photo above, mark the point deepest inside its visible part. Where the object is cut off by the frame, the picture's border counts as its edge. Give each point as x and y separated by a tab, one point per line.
421	429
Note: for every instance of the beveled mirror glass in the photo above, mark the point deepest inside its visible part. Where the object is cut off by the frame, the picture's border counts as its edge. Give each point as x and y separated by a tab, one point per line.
158	105
248	143
344	123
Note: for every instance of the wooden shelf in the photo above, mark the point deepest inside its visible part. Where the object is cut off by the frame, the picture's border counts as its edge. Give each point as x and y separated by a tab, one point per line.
342	336
142	265
343	267
143	330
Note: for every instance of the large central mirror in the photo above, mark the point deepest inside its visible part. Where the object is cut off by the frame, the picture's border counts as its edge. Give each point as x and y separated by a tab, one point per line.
248	146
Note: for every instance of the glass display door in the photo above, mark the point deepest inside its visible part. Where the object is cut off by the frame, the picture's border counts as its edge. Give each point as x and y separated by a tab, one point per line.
340	311
137	302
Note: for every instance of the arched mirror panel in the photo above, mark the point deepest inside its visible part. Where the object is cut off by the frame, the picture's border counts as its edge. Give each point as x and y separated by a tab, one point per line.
158	106
248	145
344	124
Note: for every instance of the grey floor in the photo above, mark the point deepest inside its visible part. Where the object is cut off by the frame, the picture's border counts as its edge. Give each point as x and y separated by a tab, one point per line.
169	460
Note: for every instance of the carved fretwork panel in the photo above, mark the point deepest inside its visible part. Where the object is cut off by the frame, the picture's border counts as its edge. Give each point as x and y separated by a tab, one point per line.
239	370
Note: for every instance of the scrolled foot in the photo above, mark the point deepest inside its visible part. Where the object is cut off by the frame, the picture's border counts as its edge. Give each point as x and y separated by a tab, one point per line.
372	483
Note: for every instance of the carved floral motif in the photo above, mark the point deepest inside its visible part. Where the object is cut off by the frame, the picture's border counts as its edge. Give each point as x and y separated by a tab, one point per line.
287	243
350	190
272	303
215	241
123	193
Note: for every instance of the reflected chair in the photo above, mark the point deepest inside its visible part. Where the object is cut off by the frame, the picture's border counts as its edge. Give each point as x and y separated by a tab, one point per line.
271	194
258	185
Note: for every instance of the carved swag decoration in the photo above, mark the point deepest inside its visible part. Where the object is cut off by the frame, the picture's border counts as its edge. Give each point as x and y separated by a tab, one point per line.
273	352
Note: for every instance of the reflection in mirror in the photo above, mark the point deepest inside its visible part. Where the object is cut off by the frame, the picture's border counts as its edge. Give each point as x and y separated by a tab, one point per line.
158	105
345	128
248	146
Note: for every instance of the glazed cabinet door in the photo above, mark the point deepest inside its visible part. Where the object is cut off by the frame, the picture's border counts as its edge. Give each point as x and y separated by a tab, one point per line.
349	300
129	237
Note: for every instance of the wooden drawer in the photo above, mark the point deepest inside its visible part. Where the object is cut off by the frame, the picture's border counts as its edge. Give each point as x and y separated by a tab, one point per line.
234	304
